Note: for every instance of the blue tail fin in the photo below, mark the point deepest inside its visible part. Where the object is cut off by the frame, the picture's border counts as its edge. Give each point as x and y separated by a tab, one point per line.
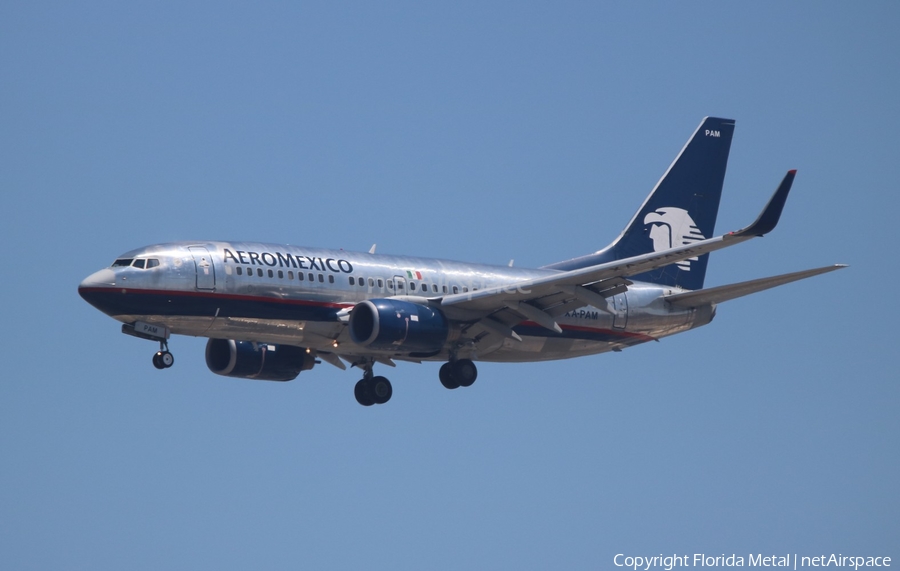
681	209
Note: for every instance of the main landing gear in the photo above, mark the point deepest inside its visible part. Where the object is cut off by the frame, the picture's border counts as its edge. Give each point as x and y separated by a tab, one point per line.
378	390
163	359
372	390
458	373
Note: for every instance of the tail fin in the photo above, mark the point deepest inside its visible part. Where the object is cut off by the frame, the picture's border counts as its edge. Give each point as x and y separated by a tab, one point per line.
681	209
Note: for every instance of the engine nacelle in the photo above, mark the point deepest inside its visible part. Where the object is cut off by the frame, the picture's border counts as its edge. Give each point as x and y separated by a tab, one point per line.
248	360
389	324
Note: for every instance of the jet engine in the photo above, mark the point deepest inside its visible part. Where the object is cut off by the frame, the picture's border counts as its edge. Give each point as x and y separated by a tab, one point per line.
389	324
248	360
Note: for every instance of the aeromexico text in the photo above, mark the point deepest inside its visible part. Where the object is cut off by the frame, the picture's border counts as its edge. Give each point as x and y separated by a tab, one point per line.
288	261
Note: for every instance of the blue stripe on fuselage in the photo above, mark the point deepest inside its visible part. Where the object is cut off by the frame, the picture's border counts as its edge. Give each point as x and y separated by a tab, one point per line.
117	301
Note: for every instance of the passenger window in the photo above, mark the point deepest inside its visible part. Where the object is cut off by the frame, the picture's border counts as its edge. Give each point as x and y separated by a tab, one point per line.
290	274
390	284
259	272
239	270
280	275
299	276
270	273
465	289
371	282
139	264
321	279
352	280
455	289
312	278
445	289
399	285
412	286
330	279
152	263
380	283
434	288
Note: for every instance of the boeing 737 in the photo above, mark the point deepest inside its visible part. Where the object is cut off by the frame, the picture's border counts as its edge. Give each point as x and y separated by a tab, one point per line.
271	311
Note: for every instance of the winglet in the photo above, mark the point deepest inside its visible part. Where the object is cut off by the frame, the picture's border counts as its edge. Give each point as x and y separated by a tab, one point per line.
768	218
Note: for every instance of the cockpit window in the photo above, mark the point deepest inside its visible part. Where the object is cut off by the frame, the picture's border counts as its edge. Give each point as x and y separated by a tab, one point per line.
140	263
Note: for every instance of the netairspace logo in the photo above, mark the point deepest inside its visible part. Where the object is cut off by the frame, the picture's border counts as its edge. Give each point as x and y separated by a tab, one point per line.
786	561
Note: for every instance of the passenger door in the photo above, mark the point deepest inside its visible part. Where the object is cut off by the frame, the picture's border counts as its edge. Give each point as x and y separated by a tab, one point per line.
206	272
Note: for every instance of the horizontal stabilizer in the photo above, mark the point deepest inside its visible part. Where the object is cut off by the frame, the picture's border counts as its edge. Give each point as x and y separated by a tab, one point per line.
728	292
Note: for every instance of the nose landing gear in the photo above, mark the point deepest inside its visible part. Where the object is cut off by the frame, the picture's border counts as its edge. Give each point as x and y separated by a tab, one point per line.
163	359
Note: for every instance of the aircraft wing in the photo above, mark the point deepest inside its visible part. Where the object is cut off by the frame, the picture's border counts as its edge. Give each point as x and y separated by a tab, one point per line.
541	300
732	291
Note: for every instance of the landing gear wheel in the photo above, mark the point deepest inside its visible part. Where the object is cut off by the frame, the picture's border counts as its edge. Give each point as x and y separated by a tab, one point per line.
163	360
448	379
371	389
381	390
363	393
465	372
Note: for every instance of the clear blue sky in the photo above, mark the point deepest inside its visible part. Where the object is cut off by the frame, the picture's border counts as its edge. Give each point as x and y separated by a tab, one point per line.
473	131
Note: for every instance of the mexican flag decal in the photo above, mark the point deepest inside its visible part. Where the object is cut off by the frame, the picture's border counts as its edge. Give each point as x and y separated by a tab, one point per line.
413	275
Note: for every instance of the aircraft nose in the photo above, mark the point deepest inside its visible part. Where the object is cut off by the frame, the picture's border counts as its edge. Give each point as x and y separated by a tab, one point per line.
104	278
96	288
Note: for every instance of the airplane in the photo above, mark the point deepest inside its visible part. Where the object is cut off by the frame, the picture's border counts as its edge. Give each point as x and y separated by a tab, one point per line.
272	311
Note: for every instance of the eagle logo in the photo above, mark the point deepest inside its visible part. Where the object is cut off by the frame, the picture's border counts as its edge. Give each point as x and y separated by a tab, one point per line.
671	227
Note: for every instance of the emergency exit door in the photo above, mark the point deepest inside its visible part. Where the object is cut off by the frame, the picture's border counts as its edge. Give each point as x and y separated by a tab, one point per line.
620	308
